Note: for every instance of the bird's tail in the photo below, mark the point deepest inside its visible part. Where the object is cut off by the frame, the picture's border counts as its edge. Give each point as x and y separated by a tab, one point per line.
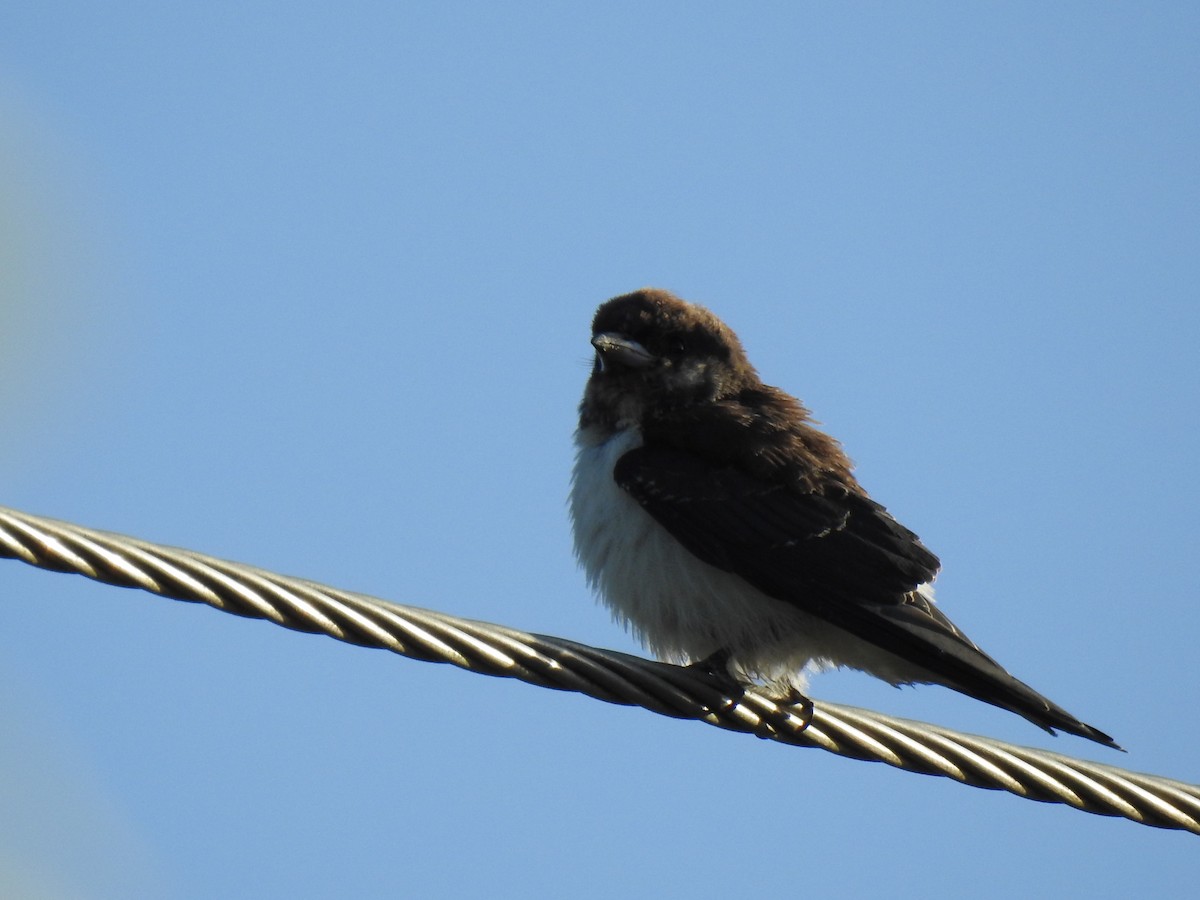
960	664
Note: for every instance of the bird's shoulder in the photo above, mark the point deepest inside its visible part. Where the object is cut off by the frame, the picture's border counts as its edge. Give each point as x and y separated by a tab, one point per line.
761	431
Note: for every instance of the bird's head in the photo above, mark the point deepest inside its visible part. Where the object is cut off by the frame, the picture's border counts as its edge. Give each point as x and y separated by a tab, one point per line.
656	353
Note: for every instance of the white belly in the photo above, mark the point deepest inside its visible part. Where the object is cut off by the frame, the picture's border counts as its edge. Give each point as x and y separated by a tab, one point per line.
683	609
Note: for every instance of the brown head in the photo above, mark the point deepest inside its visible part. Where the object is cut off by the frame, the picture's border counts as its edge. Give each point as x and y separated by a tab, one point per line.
654	349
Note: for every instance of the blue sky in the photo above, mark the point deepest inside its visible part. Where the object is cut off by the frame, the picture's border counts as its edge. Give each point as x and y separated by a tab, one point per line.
310	288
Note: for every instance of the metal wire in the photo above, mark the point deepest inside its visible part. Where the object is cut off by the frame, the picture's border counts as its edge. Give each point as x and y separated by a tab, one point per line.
604	674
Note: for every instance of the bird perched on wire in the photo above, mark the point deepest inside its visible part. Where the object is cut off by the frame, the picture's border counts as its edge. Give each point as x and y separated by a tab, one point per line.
726	530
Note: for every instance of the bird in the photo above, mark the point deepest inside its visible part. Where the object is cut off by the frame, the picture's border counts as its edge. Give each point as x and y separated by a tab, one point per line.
728	532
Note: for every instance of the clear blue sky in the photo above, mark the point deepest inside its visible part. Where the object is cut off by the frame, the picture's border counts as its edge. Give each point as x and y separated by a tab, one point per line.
309	287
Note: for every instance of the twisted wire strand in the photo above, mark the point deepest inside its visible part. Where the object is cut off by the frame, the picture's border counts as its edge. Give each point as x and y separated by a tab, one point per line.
604	674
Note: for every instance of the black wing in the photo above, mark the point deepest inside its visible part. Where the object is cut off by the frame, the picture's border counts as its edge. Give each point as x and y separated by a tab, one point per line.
834	553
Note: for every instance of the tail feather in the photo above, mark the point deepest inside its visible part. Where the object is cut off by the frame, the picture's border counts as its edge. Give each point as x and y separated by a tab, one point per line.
947	652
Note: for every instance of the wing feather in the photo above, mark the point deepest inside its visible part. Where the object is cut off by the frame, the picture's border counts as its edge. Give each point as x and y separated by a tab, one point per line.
832	552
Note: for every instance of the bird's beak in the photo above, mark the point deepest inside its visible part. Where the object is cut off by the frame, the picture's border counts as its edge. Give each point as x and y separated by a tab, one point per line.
616	350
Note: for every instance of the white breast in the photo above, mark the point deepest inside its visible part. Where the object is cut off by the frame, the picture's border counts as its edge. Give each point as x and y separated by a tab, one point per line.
683	609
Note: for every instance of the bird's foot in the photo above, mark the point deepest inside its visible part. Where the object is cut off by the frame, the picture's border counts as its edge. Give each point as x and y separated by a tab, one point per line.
715	670
714	664
797	708
800	706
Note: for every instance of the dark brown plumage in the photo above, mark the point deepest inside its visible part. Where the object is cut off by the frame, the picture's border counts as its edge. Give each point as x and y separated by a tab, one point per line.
736	472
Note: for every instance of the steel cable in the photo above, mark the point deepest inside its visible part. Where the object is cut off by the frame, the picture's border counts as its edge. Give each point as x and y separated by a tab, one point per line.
604	674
